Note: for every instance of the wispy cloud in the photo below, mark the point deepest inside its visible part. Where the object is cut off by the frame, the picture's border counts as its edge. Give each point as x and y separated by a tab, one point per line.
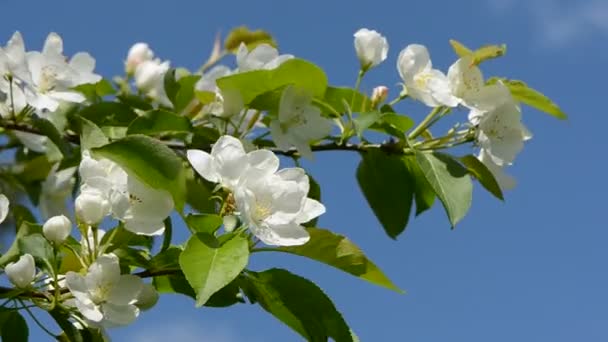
559	23
186	331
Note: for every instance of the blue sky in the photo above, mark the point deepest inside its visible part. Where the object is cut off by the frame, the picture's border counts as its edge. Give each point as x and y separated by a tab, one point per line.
529	269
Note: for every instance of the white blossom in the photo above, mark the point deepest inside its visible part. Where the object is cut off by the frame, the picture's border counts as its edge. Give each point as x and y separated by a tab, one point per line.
13	62
138	53
141	208
104	296
53	77
500	132
228	162
371	48
262	56
274	207
57	229
22	272
150	79
422	82
299	123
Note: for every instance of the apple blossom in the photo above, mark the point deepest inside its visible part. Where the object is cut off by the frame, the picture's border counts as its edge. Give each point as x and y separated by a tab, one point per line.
422	82
262	56
53	77
57	229
299	123
228	162
274	207
379	95
104	296
371	48
13	62
141	208
500	132
22	272
138	53
150	79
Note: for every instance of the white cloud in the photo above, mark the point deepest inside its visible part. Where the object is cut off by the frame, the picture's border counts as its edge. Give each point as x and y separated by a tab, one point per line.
559	23
186	331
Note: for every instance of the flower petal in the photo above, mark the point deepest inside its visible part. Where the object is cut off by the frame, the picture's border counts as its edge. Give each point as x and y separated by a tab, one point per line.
202	163
120	314
126	290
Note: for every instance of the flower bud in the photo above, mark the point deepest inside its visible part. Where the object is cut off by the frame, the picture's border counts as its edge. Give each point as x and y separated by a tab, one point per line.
91	207
379	95
138	53
57	229
371	48
22	272
230	223
147	297
149	73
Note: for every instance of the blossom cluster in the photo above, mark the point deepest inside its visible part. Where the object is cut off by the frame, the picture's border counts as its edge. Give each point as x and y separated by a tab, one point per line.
494	112
271	203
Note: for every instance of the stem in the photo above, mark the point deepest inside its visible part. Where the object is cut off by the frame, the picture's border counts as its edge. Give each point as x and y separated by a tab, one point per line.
397	99
357	86
423	124
10	87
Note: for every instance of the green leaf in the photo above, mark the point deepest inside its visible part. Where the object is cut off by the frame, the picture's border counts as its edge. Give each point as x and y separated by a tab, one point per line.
297	72
482	54
94	92
109	114
451	182
171	85
205	97
25	229
46	128
185	93
151	162
424	195
481	172
199	193
122	237
91	136
298	303
364	120
251	39
338	251
159	122
209	265
400	122
204	223
534	98
14	327
37	246
135	101
227	296
338	97
174	283
384	181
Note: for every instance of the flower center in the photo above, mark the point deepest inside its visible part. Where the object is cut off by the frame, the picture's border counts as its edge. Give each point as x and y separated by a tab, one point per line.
48	78
422	79
261	211
100	293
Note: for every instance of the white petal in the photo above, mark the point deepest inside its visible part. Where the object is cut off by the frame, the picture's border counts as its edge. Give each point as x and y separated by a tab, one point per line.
53	45
120	314
144	227
68	96
126	290
262	163
412	60
105	270
89	310
77	286
290	234
4	203
311	209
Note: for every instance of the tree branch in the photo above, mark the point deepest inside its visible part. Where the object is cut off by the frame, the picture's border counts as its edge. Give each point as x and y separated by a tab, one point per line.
390	147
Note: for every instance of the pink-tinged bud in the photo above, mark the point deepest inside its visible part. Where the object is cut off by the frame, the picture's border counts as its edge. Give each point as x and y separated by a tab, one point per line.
138	53
379	95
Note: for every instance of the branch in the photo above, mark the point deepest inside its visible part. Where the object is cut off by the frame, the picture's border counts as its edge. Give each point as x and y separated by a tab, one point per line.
390	147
